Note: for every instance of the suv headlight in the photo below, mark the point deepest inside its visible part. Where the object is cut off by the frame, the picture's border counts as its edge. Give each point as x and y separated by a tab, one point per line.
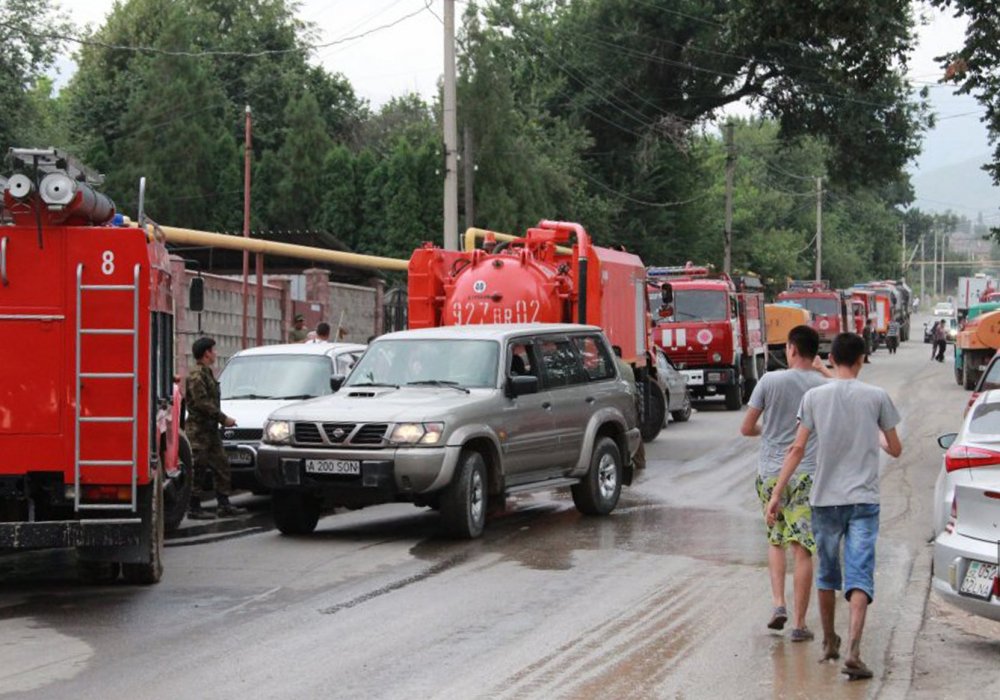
416	433
278	431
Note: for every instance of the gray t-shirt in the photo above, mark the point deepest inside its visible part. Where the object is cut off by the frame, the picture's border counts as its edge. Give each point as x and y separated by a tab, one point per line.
846	416
778	396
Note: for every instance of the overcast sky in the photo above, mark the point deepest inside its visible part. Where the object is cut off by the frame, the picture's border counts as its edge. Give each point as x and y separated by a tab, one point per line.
408	57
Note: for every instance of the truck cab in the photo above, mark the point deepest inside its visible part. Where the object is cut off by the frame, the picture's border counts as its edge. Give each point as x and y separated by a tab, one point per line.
827	306
712	328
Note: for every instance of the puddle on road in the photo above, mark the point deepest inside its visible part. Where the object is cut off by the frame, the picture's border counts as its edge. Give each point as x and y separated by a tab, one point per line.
553	531
32	656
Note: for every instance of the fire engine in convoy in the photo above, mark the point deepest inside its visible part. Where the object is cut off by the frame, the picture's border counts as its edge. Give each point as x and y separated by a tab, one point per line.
87	435
712	328
828	307
537	278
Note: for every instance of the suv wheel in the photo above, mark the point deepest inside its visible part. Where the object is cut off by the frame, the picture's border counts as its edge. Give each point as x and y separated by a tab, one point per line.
295	513
684	414
654	413
598	493
463	502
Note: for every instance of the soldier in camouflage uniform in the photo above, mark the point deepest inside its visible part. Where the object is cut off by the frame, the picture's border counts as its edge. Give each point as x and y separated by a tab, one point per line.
204	414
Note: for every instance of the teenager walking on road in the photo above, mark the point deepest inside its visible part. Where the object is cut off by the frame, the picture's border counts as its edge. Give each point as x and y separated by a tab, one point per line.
776	398
850	421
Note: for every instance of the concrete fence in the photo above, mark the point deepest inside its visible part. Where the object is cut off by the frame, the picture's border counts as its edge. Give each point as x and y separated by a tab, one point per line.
357	309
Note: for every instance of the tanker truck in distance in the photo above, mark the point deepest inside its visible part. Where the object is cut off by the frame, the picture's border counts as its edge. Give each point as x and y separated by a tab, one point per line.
827	306
712	328
553	274
88	433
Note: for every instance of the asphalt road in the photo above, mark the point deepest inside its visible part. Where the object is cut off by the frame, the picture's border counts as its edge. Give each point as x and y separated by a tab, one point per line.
668	597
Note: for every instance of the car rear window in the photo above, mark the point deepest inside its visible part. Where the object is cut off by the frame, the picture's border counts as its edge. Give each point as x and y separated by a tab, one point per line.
992	378
985	419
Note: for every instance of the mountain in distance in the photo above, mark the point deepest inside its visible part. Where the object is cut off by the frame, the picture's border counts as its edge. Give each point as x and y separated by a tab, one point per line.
962	187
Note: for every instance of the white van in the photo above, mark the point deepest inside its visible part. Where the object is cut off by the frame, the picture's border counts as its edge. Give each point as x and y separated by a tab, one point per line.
257	381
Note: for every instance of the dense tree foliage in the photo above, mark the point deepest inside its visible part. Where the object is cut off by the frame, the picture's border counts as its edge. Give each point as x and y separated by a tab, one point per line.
599	111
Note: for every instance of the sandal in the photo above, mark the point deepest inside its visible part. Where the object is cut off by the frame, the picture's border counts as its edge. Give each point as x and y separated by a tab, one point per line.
831	649
802	634
856	670
778	619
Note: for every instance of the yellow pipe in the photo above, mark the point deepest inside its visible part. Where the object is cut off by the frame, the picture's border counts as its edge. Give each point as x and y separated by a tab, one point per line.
186	236
472	234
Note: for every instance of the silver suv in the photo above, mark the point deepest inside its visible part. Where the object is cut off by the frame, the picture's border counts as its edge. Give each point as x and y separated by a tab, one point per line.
458	418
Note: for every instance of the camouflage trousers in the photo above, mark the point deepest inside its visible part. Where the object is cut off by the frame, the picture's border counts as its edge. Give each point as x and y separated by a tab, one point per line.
210	458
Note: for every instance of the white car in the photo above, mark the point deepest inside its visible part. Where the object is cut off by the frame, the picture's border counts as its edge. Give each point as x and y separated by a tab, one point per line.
972	456
944	309
258	381
967	553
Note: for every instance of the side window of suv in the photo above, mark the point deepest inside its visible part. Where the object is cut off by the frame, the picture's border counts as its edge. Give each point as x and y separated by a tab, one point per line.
520	362
560	365
597	364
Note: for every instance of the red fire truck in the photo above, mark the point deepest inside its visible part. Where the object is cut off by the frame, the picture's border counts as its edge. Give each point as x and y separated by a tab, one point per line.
829	308
712	327
537	278
87	431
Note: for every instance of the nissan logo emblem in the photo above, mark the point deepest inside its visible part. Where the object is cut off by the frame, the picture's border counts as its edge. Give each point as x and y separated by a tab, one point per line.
339	433
229	434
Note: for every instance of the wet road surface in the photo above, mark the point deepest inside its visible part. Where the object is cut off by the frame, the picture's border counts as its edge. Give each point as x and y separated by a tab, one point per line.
666	598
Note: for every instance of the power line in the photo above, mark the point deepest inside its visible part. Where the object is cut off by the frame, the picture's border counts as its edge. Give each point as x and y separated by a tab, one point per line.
207	52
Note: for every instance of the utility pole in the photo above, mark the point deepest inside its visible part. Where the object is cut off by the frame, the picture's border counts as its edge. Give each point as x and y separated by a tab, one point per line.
819	228
902	266
470	176
934	264
450	132
727	259
246	218
923	269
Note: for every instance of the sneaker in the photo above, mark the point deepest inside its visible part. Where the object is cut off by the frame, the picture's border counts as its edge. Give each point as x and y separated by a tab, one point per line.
802	634
778	619
228	510
200	514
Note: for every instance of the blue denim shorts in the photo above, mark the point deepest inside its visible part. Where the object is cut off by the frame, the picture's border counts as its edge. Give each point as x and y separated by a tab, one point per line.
857	526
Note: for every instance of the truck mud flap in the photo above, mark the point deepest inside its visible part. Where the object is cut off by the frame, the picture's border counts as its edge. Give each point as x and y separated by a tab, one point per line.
70	533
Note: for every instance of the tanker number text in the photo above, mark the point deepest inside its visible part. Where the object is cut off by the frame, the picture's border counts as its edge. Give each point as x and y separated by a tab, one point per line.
485	312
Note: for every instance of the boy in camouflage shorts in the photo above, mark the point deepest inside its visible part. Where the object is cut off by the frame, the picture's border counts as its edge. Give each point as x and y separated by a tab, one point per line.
776	398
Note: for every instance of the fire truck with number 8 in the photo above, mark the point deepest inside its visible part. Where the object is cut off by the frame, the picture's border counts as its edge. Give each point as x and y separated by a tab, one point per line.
89	410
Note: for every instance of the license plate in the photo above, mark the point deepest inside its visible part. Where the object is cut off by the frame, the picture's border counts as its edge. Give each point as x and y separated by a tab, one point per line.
978	581
695	377
333	466
240	457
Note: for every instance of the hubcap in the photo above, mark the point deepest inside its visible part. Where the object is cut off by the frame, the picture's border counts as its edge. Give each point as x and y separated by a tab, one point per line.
476	500
607	476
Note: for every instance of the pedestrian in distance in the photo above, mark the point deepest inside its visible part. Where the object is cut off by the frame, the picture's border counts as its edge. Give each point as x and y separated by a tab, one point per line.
940	341
776	399
204	416
298	334
850	421
322	333
868	335
892	336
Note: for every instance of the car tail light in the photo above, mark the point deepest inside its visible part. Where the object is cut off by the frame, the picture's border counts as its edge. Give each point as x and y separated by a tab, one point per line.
950	525
996	586
964	457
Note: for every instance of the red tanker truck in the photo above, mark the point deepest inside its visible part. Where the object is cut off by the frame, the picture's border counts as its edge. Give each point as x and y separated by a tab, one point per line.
712	327
829	308
88	434
553	274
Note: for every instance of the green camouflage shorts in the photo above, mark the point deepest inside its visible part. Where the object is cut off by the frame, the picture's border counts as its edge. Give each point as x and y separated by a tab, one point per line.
794	523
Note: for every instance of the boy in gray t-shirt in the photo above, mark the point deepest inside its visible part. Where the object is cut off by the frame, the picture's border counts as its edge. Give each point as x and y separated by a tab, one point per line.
775	403
850	421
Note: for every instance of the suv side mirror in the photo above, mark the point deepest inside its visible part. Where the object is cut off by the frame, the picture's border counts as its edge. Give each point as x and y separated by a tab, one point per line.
336	381
196	294
946	440
521	385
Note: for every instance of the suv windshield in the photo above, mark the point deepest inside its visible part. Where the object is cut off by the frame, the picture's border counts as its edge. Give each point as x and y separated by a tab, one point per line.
817	305
465	363
276	377
700	305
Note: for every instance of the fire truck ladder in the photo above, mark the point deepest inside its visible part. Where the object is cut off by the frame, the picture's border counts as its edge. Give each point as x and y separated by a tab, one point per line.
80	376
